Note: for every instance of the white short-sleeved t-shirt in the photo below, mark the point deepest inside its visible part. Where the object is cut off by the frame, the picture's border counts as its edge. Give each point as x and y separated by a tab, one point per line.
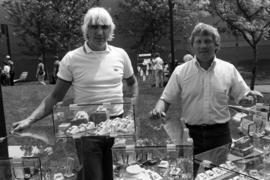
97	76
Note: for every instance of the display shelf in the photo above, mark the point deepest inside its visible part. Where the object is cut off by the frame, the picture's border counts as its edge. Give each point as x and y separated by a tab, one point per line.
152	162
76	120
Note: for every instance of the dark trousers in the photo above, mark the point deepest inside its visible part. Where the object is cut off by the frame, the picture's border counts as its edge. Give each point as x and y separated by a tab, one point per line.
206	137
95	155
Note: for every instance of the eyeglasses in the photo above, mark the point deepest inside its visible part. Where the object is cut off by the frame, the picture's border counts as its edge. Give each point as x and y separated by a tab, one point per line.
103	27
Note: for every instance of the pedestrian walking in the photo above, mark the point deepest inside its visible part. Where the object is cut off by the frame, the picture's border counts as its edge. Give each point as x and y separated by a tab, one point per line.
158	63
40	74
10	63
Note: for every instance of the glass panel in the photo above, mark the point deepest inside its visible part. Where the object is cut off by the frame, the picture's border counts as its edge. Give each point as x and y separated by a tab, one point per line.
76	120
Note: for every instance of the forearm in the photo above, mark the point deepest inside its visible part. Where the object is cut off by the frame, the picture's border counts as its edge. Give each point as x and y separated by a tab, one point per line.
162	106
134	89
44	109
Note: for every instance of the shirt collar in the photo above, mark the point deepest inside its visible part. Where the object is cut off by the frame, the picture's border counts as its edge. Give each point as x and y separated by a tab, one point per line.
88	50
213	64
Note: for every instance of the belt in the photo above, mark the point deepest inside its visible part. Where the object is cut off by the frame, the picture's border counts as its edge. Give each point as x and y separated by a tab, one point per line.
208	126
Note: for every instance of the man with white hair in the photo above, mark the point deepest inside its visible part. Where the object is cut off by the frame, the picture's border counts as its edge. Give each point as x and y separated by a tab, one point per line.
95	70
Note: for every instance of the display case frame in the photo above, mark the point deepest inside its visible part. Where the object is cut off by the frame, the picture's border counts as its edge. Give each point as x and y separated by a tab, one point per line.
64	114
250	166
161	162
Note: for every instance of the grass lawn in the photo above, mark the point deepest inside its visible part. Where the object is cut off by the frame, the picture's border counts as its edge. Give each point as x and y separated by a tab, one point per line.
22	99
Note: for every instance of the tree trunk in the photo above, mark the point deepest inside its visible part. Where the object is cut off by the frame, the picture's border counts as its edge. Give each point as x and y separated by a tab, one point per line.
171	5
254	69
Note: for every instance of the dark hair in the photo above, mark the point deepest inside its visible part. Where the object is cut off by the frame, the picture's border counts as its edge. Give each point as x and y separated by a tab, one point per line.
156	54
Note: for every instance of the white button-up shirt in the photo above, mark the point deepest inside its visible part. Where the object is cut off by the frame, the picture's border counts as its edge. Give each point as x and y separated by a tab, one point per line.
205	93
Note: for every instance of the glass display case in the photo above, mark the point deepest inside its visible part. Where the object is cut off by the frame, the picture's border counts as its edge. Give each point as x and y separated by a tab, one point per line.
20	168
247	161
55	157
153	162
76	120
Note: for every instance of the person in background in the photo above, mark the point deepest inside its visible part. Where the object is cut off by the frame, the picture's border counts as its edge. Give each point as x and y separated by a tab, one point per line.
151	70
40	73
177	62
96	71
55	69
10	63
166	73
158	64
204	86
6	73
187	57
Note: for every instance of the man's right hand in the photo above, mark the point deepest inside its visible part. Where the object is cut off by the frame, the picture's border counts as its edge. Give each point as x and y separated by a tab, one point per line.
157	114
21	125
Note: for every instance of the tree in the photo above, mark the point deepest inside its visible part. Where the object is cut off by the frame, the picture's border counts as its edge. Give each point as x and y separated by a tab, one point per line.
250	18
47	25
147	21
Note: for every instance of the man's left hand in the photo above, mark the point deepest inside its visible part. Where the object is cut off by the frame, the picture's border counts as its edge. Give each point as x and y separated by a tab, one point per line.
251	98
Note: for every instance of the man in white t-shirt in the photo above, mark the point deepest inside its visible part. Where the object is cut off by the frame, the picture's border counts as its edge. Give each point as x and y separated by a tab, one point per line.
95	70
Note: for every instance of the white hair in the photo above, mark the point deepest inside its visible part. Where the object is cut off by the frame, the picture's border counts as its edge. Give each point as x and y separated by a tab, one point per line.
187	57
100	16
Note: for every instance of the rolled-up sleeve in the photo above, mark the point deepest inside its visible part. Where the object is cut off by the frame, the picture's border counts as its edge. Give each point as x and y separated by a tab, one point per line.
172	89
239	87
128	69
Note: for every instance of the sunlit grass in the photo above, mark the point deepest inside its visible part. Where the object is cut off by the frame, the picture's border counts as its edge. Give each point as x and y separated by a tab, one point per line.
22	99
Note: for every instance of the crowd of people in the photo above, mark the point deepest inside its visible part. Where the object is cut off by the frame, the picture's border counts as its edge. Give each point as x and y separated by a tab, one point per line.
158	70
202	85
8	73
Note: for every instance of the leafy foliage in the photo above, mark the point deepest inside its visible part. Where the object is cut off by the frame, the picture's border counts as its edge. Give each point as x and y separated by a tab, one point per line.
47	25
250	18
148	21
